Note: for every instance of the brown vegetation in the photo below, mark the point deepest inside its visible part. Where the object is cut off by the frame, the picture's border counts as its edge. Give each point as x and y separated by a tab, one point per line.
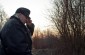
69	20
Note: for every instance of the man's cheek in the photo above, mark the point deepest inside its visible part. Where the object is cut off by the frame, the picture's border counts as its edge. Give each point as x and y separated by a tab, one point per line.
30	21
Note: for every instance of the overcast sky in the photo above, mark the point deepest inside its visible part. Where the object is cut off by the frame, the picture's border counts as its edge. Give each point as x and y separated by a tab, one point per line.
38	9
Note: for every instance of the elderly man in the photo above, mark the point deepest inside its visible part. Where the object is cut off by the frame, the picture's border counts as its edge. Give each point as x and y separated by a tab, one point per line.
16	34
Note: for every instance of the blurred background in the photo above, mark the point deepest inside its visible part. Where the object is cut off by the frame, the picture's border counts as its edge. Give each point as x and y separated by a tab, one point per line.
59	24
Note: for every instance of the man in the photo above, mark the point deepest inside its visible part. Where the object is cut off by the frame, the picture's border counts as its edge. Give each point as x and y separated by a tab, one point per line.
16	34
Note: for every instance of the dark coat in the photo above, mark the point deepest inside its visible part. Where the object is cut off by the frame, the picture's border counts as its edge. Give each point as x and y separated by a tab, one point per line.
16	38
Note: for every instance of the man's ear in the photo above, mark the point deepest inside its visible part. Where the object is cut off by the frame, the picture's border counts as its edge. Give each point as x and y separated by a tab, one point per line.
19	15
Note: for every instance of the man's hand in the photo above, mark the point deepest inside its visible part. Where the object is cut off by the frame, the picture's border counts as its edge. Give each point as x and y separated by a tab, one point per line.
29	22
30	26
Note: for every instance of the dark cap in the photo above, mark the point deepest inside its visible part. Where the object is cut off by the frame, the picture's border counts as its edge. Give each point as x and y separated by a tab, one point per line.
24	11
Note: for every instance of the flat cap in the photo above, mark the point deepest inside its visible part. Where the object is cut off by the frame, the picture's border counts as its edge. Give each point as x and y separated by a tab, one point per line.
24	11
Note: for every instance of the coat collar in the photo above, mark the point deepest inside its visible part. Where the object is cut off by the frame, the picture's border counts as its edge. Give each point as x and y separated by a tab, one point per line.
14	17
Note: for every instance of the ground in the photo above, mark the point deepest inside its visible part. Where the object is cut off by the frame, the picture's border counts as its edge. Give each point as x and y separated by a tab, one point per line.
44	52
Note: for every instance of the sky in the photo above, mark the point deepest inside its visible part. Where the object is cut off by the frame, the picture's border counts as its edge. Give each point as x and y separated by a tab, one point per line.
38	10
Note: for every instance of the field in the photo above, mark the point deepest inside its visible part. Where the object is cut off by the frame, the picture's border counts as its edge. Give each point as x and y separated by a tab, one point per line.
44	52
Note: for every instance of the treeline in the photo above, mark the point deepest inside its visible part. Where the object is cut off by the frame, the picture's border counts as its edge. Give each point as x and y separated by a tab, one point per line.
45	40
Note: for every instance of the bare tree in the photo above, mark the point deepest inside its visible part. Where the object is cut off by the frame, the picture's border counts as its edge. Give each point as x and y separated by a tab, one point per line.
69	20
3	17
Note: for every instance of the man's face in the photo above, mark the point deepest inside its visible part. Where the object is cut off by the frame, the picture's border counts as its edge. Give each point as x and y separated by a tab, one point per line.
23	18
29	21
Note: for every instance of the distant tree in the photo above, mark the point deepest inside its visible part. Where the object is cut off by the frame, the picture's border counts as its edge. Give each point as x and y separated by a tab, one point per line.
45	40
68	16
3	17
